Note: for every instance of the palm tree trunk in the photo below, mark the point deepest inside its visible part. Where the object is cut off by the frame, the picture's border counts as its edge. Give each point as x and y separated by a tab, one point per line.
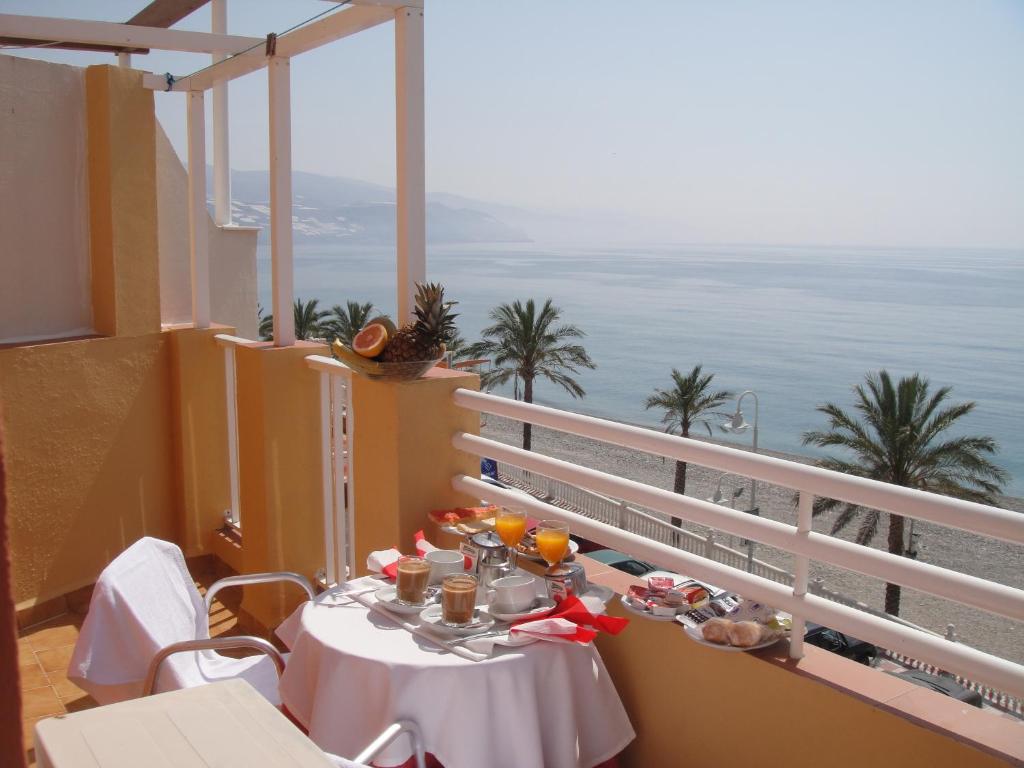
892	591
527	426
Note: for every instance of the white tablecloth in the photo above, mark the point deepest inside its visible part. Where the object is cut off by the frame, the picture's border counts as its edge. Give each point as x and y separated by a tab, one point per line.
353	672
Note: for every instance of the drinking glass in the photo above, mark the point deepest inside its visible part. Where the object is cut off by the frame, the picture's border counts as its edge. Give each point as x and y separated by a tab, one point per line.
511	526
458	599
411	585
552	539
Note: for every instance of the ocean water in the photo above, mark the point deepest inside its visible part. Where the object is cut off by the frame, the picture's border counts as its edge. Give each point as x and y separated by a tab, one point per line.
797	325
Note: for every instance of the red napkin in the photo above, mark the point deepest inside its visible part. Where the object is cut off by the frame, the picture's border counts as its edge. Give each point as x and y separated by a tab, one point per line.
422	547
588	625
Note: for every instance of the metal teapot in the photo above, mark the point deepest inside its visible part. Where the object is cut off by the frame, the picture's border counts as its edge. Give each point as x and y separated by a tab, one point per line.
492	559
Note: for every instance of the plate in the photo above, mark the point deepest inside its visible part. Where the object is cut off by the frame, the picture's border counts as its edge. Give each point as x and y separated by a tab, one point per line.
695	634
573	549
432	615
388	598
541	606
602	593
641	612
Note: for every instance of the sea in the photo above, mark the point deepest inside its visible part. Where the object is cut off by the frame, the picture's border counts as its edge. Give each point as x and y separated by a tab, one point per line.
797	325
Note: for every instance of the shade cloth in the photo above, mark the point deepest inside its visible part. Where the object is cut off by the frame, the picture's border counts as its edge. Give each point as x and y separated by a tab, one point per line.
352	672
146	600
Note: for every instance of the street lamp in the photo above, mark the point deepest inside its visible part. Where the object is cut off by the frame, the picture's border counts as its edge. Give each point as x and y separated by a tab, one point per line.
718	498
737	424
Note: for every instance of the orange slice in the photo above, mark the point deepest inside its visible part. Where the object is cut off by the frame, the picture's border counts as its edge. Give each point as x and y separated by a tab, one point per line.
370	341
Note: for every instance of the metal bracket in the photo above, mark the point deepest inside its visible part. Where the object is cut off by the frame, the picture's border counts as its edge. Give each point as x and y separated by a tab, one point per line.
271	44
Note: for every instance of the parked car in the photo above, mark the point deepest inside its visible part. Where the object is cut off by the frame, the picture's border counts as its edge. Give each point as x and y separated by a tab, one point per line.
622	562
944	685
837	642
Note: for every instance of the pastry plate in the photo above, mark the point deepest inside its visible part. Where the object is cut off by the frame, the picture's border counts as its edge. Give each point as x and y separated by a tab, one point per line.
573	549
541	606
482	621
695	634
388	599
641	612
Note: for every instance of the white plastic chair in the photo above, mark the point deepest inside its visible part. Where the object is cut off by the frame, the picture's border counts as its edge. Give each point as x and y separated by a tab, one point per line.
378	745
148	630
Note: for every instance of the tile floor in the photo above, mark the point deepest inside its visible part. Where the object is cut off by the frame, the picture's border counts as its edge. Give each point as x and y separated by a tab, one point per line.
43	654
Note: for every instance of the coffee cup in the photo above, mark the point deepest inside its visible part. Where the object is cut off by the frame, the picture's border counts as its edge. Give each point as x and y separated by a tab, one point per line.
444	562
512	594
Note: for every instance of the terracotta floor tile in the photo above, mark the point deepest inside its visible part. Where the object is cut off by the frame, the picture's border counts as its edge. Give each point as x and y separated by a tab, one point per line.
55	633
66	690
77	705
40	703
55	659
32	676
26	657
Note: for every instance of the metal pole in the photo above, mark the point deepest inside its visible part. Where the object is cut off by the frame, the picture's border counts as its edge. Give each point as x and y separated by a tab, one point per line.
278	77
221	159
411	266
198	236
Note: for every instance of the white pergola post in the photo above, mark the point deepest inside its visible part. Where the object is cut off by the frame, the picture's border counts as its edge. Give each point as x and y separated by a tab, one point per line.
198	236
221	157
278	75
411	264
124	60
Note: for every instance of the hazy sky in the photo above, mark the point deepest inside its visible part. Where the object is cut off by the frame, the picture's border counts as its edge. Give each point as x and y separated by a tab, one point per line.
860	122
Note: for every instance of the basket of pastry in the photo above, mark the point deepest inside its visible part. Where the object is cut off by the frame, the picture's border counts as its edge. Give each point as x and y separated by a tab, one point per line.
746	627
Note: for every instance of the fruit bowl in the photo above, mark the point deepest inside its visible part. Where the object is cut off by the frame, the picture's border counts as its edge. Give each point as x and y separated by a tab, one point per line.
372	369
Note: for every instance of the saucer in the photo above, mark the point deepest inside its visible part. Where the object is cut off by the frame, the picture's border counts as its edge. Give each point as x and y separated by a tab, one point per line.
482	621
540	606
388	598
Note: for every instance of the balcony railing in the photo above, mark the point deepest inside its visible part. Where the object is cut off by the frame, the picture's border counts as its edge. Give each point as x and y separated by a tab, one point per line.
801	541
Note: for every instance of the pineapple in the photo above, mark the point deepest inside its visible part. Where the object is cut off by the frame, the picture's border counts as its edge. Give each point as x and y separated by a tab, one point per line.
425	338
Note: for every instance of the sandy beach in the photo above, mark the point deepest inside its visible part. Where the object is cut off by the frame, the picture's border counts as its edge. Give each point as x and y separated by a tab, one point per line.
987	558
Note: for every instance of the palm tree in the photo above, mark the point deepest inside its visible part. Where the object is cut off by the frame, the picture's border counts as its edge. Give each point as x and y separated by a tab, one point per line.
900	438
347	321
524	343
684	404
266	323
309	321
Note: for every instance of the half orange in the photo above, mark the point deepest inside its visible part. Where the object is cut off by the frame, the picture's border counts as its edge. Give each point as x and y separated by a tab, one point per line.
370	341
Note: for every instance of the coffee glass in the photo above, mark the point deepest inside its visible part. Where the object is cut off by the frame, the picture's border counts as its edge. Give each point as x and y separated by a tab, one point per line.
458	599
411	586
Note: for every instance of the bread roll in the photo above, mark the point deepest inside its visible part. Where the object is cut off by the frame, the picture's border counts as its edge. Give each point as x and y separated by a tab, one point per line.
716	631
744	634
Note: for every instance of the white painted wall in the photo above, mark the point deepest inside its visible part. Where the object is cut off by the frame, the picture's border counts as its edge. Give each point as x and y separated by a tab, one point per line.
45	289
232	254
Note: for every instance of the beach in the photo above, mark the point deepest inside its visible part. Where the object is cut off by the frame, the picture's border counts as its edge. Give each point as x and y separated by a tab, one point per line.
957	550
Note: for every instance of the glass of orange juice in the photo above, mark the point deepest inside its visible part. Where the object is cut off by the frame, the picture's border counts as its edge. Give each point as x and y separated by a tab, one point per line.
510	523
552	541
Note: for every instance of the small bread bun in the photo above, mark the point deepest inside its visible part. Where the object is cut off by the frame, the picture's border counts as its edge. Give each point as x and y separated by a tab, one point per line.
716	631
744	634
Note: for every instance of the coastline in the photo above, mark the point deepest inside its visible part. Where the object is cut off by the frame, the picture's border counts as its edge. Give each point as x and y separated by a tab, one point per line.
965	552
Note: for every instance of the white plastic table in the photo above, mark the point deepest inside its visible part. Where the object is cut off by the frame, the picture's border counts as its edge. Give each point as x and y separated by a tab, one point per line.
226	724
353	671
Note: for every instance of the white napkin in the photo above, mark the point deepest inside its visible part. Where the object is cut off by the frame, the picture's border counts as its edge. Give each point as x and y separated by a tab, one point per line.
550	630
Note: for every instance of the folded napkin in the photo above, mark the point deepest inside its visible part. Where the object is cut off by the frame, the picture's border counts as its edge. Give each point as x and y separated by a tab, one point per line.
568	622
386	560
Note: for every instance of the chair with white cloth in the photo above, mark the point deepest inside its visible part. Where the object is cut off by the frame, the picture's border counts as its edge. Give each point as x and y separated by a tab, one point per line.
382	742
148	630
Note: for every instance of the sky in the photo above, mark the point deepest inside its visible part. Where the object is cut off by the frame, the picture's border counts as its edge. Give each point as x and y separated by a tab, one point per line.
793	121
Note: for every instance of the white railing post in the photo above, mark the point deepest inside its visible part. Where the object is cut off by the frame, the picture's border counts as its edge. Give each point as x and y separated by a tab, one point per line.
622	515
221	161
344	454
199	254
231	408
801	567
709	546
411	158
278	77
331	574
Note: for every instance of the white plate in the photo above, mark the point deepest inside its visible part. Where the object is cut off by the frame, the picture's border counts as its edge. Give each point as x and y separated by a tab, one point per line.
388	598
541	605
642	612
695	634
483	621
573	549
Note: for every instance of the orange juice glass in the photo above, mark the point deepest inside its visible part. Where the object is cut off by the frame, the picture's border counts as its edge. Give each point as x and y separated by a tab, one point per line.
552	541
511	525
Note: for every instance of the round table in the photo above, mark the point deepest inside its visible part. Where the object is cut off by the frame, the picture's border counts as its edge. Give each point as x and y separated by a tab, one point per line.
352	672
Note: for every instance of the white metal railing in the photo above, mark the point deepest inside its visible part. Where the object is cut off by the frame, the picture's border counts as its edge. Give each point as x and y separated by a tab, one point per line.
801	541
233	516
337	420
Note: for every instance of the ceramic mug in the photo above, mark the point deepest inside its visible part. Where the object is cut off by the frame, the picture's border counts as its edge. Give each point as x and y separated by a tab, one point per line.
444	562
513	594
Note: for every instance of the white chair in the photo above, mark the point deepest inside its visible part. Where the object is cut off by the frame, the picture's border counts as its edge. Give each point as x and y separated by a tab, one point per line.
378	745
148	630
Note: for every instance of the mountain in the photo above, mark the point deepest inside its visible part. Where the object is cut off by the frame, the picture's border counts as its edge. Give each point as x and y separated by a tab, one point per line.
331	209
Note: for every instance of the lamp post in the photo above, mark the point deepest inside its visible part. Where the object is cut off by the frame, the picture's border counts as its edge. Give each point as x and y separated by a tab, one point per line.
718	498
737	424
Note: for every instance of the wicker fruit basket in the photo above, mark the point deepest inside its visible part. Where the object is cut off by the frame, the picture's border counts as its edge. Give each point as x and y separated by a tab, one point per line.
372	369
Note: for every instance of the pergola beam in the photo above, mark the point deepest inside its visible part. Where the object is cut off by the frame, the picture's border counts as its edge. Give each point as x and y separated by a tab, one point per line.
337	25
110	36
165	13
